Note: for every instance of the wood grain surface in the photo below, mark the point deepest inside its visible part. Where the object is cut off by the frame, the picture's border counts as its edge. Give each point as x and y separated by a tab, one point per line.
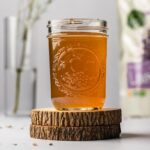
75	133
51	117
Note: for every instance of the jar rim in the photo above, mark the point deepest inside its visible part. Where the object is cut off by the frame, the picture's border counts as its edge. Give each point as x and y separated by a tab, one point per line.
77	24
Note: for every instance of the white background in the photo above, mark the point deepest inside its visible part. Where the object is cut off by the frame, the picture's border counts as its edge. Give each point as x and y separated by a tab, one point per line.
103	9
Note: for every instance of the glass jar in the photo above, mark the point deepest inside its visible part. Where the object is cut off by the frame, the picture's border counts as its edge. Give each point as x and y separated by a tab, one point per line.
77	52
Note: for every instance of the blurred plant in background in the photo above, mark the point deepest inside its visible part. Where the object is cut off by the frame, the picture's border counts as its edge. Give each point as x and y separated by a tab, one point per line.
135	60
136	19
29	13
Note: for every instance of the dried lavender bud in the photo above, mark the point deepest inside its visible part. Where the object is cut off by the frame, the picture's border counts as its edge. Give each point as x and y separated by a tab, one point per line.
50	144
9	126
34	144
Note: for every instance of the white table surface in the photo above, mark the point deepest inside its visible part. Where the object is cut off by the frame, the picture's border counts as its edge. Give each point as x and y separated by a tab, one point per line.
14	135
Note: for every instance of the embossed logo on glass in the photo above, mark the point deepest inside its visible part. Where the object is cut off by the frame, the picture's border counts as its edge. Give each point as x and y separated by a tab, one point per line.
75	70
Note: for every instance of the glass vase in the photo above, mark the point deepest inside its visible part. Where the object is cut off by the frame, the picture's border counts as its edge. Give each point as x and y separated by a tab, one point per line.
20	75
20	99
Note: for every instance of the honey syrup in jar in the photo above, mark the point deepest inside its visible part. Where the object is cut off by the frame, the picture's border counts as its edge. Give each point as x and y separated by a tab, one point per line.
77	52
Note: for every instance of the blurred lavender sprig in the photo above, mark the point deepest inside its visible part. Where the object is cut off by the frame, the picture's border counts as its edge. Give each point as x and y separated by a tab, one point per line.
32	11
146	46
29	13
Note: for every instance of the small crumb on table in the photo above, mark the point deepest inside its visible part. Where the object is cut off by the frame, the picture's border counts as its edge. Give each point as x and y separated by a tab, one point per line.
34	144
9	126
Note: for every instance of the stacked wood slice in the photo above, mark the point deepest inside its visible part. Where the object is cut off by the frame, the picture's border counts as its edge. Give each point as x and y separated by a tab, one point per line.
75	125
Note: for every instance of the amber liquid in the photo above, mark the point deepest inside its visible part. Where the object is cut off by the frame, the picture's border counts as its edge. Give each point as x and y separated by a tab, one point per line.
78	70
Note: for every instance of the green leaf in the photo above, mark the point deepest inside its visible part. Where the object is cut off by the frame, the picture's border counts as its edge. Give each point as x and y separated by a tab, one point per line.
136	19
142	93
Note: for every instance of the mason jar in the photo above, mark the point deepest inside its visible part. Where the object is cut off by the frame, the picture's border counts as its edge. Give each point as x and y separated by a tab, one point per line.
77	52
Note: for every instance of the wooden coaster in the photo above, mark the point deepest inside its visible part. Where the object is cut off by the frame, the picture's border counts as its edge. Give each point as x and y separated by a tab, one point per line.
75	133
75	125
51	117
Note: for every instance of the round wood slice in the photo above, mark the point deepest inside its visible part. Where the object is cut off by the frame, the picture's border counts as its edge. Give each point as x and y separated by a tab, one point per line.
51	117
75	133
